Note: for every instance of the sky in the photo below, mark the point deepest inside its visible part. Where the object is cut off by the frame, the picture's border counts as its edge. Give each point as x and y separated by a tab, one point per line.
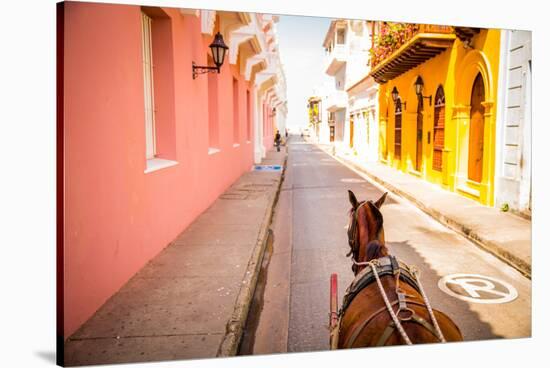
302	54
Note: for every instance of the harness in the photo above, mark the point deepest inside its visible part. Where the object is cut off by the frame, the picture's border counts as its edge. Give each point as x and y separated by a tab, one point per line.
373	271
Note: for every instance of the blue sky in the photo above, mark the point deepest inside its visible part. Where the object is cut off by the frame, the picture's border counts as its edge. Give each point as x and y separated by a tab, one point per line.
302	54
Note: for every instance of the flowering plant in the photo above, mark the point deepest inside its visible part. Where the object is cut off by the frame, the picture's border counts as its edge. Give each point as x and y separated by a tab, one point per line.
392	36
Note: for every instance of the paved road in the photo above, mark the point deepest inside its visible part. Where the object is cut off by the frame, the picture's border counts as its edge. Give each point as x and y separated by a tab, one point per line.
310	243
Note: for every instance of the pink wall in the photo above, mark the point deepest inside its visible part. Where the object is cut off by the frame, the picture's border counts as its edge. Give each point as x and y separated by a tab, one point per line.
116	216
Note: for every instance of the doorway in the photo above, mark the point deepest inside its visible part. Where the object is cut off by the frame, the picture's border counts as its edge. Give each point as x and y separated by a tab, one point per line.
477	127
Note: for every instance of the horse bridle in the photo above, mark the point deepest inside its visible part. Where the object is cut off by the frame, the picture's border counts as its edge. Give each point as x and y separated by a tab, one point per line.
353	233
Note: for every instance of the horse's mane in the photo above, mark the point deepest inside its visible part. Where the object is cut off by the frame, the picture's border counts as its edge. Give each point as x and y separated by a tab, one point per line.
375	249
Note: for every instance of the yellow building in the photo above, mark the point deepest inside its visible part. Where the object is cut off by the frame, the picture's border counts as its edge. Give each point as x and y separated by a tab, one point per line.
437	100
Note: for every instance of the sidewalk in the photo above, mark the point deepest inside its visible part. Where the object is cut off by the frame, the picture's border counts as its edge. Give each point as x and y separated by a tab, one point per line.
190	301
503	234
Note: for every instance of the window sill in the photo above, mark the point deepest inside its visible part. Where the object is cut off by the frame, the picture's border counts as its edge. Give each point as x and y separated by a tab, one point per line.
235	145
213	151
155	164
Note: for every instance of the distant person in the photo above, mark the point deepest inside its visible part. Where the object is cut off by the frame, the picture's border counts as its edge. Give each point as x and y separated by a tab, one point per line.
286	133
278	141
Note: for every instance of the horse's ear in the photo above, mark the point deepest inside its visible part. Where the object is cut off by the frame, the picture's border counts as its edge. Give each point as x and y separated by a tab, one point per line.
354	202
381	200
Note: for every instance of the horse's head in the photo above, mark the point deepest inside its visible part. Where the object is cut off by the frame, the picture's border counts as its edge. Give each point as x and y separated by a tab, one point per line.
366	231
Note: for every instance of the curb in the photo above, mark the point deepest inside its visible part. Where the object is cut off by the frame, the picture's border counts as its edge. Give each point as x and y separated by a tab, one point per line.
235	326
489	246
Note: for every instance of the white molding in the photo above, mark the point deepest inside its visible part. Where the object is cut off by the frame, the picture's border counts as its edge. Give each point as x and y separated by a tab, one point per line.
155	164
194	12
239	36
213	150
251	62
208	18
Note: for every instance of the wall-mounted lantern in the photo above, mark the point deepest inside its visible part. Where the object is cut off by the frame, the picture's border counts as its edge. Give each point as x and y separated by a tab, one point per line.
419	87
395	96
273	112
218	49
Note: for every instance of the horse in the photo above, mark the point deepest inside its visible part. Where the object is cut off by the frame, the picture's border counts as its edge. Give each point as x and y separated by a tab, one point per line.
386	303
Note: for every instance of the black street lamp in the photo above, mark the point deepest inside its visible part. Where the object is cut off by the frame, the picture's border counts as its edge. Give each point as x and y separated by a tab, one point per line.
419	87
218	49
395	96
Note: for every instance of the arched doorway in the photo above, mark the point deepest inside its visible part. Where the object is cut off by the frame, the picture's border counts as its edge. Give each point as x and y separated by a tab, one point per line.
397	130
477	125
439	129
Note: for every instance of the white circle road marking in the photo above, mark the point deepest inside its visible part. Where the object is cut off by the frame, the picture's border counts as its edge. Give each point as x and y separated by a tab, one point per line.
471	285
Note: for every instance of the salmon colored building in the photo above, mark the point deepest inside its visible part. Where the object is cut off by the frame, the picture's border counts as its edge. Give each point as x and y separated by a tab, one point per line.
144	146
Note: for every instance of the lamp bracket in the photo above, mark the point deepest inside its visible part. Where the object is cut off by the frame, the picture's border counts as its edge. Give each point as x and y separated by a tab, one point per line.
427	97
197	70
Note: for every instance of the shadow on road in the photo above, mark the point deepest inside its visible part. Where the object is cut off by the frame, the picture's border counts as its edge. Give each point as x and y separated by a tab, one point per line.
469	322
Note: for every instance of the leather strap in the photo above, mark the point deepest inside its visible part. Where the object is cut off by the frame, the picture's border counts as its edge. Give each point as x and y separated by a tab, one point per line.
428	326
414	318
390	328
363	324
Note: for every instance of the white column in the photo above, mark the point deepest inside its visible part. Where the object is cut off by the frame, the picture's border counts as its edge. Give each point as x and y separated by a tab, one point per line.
259	149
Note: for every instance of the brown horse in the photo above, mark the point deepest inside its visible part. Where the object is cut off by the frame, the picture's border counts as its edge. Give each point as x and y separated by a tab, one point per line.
385	304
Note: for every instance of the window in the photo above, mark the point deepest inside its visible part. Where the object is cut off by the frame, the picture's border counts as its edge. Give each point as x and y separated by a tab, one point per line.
341	36
158	91
150	139
397	138
235	111
439	129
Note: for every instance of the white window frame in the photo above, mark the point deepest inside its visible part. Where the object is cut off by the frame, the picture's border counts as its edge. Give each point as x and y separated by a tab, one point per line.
148	87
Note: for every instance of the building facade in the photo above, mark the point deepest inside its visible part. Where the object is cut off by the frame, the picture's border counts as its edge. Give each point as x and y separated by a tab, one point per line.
352	99
513	165
438	100
336	101
362	92
146	146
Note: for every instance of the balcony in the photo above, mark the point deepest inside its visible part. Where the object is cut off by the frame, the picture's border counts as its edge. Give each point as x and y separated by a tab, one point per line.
402	47
337	100
335	59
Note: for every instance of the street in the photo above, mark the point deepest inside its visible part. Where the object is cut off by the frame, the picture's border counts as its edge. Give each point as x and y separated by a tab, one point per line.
309	243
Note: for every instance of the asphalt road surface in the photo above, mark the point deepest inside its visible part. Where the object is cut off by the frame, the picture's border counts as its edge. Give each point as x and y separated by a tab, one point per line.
310	243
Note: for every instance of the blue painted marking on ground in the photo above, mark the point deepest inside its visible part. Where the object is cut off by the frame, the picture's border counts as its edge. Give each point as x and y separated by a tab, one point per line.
267	168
